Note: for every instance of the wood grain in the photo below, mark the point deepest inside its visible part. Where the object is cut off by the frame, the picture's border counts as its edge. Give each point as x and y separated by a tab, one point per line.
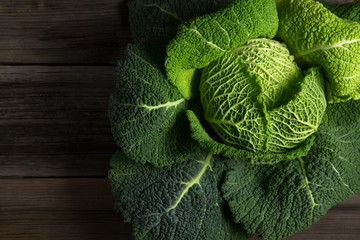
45	209
341	222
53	120
62	32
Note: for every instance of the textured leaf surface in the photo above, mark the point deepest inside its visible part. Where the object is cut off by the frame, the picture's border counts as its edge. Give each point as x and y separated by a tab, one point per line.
147	113
232	103
294	122
274	67
177	202
278	200
236	88
211	143
206	38
157	19
350	11
317	37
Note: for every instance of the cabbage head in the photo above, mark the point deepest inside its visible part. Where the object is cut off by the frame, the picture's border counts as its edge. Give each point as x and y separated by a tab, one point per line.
256	98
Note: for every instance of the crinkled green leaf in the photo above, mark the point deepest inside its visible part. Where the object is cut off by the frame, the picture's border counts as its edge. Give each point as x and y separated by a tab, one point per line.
317	37
157	19
200	132
232	103
147	113
153	23
272	64
350	11
236	89
276	201
181	201
294	122
208	37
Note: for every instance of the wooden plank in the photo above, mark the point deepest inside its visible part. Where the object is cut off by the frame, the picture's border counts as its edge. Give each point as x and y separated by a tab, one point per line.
54	165
53	120
341	222
59	209
65	32
82	209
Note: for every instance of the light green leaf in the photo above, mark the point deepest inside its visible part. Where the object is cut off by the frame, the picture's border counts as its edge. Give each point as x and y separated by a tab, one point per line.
276	201
274	67
317	37
294	122
200	132
147	113
239	90
232	103
177	202
206	38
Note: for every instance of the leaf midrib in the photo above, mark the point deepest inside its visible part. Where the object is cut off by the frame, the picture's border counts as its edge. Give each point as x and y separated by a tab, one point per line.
193	181
324	47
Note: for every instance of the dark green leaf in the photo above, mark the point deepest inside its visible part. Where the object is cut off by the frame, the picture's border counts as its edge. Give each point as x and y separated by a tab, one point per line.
181	201
147	113
349	11
158	19
276	201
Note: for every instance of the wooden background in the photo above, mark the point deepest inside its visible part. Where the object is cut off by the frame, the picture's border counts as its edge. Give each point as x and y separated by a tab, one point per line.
57	61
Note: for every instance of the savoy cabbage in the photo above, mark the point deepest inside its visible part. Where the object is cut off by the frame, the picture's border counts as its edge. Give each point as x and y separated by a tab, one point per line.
235	118
259	99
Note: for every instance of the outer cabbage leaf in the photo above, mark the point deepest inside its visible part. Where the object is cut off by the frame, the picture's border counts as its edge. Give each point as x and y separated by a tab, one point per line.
350	11
206	38
294	122
232	102
147	113
177	202
159	19
317	37
276	201
274	67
